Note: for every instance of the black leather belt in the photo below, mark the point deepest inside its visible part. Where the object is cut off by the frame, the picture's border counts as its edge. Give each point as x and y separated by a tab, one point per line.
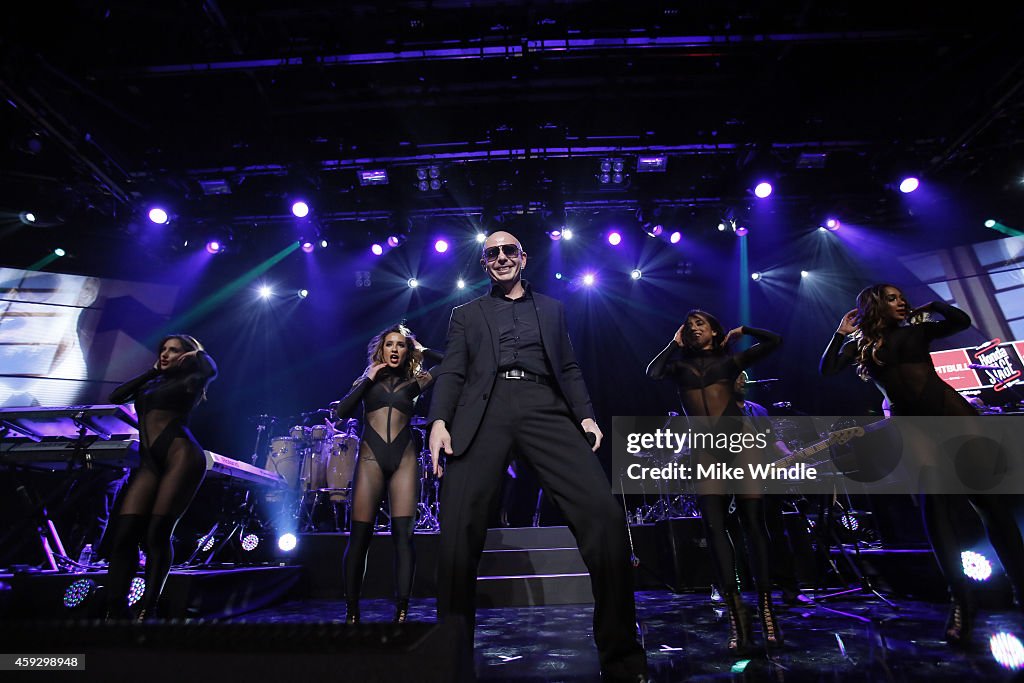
516	373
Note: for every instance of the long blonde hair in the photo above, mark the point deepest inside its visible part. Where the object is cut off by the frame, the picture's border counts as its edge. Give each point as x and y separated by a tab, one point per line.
412	366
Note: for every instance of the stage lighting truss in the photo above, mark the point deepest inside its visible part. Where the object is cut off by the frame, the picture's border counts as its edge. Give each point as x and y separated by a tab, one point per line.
612	173
429	178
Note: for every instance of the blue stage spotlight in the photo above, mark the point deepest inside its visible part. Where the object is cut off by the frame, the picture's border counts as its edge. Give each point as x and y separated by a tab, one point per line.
303	293
413	283
755	276
287	542
636	274
300	209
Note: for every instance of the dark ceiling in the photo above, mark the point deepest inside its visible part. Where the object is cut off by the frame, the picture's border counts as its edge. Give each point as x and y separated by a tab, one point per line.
112	106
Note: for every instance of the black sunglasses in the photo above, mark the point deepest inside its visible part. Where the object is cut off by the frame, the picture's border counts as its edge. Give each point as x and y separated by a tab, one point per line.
510	251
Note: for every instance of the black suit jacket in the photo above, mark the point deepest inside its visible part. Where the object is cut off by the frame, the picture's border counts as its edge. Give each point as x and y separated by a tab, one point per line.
465	379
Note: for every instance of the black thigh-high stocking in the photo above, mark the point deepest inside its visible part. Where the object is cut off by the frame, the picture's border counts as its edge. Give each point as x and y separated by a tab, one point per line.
755	531
936	509
997	513
184	472
713	510
127	532
403	494
368	489
405	556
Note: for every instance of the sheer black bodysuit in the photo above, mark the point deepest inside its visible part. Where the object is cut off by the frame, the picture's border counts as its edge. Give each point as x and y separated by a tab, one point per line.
172	466
903	371
387	457
705	381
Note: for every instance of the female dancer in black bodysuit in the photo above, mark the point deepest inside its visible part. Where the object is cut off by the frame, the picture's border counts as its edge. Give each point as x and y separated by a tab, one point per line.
705	376
388	389
894	355
172	466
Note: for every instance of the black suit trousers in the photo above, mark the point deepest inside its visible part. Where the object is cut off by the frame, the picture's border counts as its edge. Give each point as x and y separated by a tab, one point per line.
534	421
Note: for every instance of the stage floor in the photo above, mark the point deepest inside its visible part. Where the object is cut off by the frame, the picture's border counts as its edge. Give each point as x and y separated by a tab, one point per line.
850	639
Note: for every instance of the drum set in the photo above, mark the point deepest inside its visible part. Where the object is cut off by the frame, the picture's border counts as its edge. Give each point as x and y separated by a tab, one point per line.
318	465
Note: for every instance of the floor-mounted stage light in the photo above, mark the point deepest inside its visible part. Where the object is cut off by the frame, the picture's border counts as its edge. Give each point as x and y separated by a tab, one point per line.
976	566
287	542
78	592
249	542
136	590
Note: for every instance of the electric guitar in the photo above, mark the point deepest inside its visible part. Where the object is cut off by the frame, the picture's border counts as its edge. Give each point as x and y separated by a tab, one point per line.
835	438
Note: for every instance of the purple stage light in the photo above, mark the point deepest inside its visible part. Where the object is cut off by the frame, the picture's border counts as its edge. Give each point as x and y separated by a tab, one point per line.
481	238
567	234
741	231
308	247
636	274
909	184
77	592
589	279
323	244
214	247
675	237
158	215
832	224
300	209
394	241
614	239
377	250
136	590
763	190
440	246
555	235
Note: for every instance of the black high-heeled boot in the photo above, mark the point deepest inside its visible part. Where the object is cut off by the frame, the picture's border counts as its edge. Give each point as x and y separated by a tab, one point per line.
401	610
352	612
960	622
740	641
769	623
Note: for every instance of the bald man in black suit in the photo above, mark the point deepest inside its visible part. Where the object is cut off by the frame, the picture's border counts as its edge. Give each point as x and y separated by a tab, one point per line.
510	382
